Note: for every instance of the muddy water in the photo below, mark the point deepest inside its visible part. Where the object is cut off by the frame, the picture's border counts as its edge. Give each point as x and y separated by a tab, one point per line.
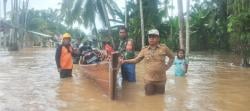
29	82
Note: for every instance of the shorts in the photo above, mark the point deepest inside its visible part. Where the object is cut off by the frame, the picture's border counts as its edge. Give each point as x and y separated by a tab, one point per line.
66	73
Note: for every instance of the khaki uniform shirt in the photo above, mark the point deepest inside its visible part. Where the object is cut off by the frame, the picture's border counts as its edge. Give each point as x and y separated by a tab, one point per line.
154	62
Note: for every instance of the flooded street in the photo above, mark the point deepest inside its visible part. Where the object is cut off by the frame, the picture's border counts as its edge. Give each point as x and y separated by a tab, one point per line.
29	81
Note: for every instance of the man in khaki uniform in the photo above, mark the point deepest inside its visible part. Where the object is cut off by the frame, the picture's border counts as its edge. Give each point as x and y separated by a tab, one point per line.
155	68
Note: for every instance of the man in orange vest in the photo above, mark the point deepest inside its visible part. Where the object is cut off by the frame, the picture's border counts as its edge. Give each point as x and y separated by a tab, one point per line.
63	57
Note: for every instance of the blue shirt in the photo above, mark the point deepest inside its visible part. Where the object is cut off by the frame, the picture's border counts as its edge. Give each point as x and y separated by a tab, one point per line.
180	66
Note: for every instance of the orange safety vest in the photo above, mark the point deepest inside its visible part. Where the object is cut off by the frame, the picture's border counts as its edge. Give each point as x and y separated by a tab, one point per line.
66	61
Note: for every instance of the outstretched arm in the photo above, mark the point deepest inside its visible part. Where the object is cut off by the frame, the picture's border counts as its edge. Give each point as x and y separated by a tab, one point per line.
134	61
138	58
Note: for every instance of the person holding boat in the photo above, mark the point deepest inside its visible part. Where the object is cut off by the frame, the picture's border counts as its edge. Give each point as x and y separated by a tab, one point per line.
63	57
126	49
154	63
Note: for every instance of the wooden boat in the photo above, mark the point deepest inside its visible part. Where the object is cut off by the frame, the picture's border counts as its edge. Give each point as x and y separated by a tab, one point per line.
104	74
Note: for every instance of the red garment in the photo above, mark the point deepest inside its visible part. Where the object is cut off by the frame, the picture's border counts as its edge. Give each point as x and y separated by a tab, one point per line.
108	48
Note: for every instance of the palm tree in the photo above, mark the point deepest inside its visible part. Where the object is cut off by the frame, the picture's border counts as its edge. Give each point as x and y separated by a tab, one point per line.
86	12
107	23
18	19
181	24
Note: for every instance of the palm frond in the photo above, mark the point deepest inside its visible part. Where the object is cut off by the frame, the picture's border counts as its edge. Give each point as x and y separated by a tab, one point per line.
76	10
101	12
88	13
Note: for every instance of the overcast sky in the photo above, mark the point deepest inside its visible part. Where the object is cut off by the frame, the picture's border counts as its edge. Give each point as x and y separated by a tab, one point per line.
55	4
44	4
37	4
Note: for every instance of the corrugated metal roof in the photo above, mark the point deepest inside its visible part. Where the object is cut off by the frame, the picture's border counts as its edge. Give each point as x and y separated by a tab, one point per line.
40	34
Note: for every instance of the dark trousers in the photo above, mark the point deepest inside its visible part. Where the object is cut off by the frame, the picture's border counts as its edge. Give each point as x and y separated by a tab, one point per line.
66	73
128	72
154	87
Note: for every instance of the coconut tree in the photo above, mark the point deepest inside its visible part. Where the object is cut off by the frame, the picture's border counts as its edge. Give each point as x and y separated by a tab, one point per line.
87	11
18	15
151	19
106	18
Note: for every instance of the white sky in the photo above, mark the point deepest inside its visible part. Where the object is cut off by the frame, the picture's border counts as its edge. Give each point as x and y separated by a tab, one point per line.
36	4
45	4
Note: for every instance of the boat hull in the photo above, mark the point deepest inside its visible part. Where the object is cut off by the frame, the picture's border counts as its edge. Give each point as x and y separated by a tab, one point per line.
104	74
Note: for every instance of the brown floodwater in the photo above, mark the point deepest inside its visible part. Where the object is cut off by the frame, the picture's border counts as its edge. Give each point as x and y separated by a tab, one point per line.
29	81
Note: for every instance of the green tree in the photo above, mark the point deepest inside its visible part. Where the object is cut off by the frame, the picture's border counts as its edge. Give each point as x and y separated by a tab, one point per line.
239	28
152	18
87	11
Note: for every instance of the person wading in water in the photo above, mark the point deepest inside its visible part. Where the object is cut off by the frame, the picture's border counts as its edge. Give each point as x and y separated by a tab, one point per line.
63	57
155	67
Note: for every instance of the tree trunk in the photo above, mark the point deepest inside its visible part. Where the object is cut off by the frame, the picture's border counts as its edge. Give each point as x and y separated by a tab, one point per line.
26	13
4	18
181	25
99	42
24	33
107	22
126	14
1	35
4	8
245	62
13	45
171	29
1	10
142	23
187	30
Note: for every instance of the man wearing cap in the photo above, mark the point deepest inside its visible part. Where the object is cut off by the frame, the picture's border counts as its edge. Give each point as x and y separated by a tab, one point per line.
154	63
63	57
